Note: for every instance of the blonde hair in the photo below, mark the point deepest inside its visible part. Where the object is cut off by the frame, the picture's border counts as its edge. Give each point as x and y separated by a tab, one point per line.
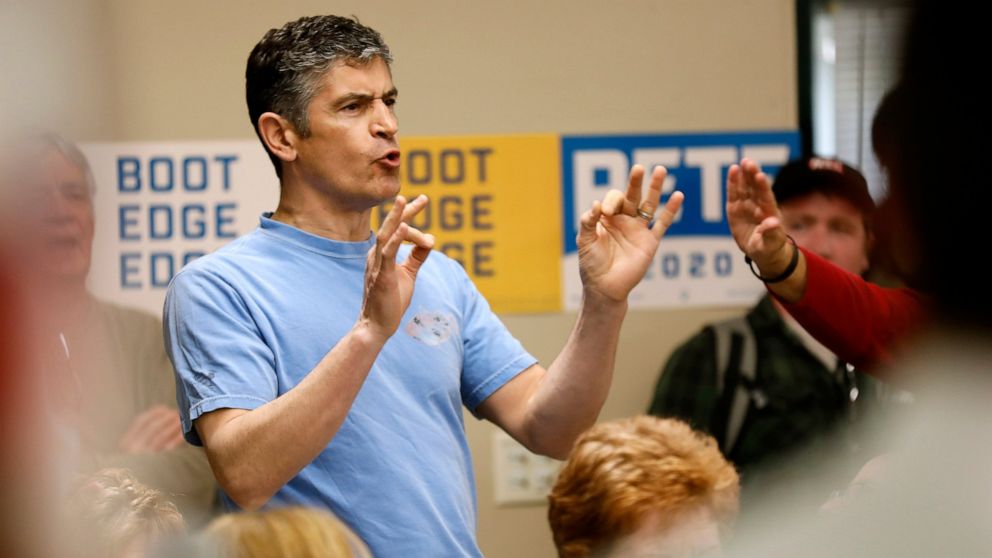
290	532
121	511
619	473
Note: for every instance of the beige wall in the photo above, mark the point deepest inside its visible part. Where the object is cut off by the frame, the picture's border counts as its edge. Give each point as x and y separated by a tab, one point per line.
474	67
56	68
480	67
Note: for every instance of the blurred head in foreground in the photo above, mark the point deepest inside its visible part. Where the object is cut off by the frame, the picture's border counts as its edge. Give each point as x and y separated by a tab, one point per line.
120	517
291	532
643	485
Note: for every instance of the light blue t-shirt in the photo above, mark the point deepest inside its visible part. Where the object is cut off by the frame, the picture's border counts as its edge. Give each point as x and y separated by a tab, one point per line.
248	322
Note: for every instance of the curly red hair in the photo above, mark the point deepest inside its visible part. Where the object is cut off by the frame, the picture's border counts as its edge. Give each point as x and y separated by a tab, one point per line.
619	473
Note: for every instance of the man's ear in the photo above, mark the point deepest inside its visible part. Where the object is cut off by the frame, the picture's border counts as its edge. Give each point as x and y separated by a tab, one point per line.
279	135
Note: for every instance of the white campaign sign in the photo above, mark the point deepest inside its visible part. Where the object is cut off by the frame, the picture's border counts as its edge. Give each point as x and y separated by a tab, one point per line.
160	205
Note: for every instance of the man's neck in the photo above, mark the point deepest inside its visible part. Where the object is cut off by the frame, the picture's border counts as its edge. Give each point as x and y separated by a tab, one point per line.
315	212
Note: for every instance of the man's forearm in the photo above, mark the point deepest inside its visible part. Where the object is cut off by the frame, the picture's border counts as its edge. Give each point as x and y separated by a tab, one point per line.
569	397
257	452
860	322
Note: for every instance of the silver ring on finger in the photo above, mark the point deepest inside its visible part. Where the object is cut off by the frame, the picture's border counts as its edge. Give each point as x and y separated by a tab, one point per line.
646	215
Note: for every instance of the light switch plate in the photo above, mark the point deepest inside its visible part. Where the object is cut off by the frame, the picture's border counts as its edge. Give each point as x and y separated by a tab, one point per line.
519	476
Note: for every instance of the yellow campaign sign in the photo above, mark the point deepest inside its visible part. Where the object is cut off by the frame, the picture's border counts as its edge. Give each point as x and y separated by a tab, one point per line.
495	207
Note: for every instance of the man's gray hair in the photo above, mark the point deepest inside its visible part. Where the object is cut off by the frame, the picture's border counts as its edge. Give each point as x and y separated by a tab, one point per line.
69	150
285	68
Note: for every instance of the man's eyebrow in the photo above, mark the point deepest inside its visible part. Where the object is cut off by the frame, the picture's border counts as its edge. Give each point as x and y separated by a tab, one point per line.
363	97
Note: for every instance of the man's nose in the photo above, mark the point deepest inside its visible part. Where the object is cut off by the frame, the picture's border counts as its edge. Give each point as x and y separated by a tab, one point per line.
384	122
818	242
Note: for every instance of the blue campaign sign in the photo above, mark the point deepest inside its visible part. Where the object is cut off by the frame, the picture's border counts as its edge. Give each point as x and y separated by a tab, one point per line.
697	166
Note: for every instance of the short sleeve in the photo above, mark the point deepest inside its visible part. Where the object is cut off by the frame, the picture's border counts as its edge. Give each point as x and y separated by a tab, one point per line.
492	356
220	358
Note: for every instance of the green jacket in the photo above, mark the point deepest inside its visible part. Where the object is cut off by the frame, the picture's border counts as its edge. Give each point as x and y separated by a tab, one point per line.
796	399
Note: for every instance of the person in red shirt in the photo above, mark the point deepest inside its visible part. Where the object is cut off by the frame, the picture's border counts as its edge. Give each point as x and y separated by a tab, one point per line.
857	320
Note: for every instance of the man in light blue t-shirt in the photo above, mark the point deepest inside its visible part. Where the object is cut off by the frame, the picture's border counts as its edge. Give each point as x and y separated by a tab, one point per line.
310	368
